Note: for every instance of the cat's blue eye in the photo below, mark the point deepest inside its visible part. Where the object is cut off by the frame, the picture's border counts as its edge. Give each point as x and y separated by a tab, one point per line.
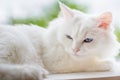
88	40
69	37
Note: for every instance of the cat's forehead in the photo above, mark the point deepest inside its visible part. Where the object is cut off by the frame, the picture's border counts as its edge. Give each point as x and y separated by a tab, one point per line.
84	25
87	21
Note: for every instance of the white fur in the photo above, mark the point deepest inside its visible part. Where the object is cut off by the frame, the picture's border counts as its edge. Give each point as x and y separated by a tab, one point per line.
27	50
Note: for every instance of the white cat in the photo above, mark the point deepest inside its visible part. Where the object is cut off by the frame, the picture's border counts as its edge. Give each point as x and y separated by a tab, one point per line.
74	42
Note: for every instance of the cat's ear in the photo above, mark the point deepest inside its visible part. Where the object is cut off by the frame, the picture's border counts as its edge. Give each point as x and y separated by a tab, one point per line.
66	11
105	20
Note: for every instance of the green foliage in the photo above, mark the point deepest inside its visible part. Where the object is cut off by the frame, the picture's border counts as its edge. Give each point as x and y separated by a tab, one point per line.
38	21
50	13
74	5
117	32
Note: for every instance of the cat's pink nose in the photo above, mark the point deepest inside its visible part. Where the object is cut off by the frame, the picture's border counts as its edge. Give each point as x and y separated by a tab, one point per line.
76	50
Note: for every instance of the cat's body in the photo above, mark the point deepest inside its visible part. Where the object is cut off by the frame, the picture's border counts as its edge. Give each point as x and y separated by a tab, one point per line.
70	44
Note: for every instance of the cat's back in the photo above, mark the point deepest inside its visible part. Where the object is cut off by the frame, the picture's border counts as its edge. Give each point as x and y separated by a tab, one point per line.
29	31
35	34
20	40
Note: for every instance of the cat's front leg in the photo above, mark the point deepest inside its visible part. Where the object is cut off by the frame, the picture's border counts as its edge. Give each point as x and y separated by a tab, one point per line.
101	66
22	72
34	73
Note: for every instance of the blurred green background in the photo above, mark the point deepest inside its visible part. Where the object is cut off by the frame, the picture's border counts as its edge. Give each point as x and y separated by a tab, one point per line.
50	13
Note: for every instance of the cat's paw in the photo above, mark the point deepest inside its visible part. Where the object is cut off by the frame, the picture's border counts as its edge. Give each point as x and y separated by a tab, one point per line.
34	73
104	66
43	73
101	66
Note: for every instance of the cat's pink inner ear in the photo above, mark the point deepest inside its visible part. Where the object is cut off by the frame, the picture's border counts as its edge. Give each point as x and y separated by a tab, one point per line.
66	11
105	20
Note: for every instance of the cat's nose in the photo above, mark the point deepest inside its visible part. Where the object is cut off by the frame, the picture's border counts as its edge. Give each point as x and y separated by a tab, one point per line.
76	50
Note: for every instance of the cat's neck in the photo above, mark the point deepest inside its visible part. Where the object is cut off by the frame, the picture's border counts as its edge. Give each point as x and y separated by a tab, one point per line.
52	32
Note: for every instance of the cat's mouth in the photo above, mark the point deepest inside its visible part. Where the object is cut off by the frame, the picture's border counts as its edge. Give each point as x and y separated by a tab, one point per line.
78	55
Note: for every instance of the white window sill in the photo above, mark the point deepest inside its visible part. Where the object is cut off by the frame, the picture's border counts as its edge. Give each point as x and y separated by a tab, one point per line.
110	75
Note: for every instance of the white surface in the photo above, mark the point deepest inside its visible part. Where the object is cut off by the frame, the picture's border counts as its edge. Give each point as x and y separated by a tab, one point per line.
85	75
82	75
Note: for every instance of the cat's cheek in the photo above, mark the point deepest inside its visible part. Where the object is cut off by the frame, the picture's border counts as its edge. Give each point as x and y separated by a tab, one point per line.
67	47
64	40
86	50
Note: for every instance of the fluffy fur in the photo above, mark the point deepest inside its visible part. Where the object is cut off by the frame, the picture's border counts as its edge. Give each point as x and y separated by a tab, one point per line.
27	52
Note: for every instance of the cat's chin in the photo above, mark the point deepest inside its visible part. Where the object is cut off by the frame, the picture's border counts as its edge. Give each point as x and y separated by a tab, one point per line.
78	56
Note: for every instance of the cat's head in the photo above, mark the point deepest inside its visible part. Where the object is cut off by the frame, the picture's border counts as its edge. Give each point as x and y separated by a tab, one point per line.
84	35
